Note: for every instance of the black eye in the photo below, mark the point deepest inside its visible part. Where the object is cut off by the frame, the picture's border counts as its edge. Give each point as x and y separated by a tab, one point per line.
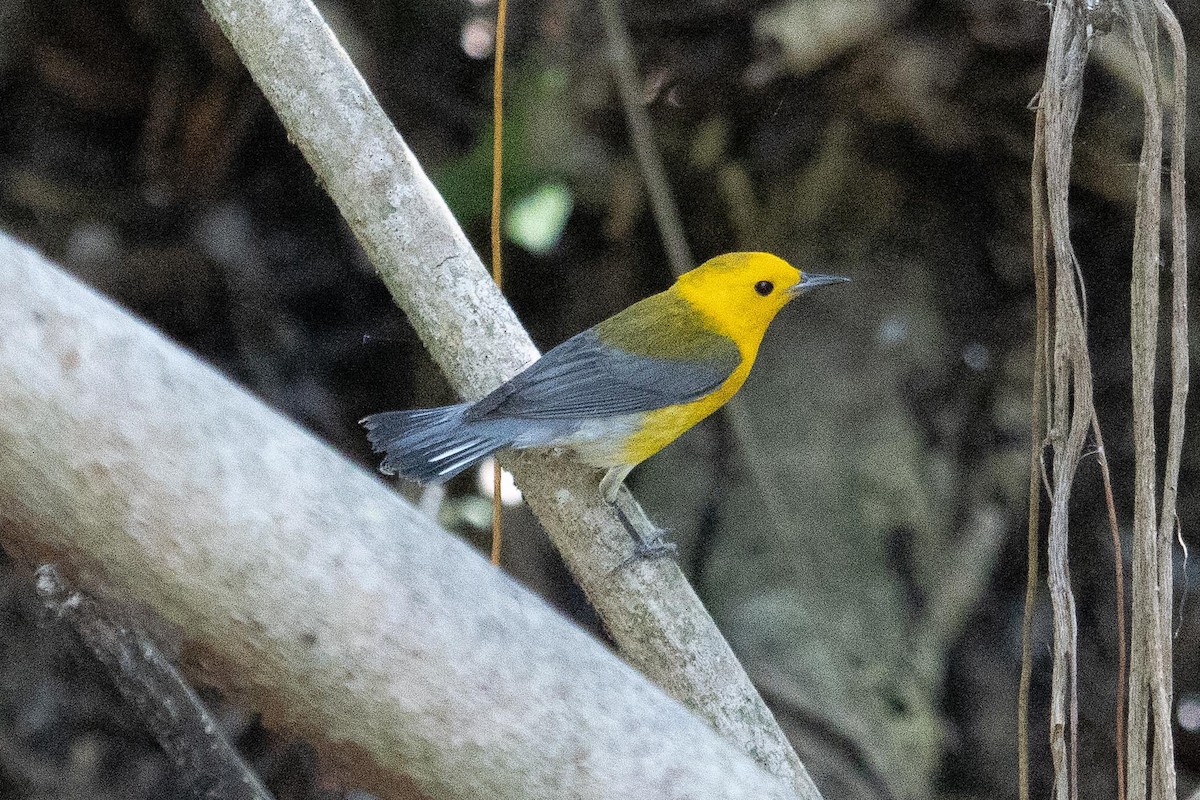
764	287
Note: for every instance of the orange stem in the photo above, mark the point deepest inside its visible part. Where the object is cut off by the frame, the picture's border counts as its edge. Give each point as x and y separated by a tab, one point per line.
497	272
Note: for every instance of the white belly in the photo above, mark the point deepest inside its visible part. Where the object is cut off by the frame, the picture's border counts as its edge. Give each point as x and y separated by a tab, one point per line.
598	442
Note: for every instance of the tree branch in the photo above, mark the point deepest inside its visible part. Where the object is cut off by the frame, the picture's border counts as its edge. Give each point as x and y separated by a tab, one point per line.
193	740
305	584
424	258
641	134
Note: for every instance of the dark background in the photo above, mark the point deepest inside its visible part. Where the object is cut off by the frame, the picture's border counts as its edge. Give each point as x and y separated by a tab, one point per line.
862	543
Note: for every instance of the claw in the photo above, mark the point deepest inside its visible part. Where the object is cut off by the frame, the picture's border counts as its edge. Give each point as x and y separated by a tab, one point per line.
657	547
649	540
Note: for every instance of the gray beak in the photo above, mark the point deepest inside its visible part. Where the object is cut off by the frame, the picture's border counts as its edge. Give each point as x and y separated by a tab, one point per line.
810	281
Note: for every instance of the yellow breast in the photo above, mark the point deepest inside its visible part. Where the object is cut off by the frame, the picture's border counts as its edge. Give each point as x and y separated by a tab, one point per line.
663	426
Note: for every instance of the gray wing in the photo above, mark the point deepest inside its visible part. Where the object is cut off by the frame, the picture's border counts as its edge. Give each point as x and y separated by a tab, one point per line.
584	378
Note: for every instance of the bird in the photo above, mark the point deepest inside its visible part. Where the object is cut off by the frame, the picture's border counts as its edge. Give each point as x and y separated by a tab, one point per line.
618	392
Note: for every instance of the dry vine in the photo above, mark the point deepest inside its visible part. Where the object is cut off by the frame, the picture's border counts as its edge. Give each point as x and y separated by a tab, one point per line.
1069	393
1150	656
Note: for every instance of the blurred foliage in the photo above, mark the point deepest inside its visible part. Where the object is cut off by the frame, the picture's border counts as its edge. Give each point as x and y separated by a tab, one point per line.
860	538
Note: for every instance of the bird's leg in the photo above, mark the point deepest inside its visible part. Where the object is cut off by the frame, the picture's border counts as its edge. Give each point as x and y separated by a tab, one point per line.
649	540
653	543
610	484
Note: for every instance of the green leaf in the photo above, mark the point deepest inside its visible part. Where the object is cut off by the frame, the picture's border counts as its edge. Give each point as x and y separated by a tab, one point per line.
537	220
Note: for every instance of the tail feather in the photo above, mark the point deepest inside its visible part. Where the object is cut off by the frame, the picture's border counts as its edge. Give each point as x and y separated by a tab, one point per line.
432	444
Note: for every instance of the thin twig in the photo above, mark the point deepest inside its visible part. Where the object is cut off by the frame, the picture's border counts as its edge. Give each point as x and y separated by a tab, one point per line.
1119	583
1071	397
175	716
641	132
1037	435
1179	303
497	262
1180	369
675	242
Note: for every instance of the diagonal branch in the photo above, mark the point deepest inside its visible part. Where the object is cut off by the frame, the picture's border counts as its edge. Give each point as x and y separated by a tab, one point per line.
172	712
424	258
641	133
304	584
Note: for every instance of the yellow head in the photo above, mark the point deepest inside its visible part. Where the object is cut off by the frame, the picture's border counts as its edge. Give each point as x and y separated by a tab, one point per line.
741	293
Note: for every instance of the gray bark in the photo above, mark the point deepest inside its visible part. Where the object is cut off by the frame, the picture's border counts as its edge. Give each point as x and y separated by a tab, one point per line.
307	585
422	255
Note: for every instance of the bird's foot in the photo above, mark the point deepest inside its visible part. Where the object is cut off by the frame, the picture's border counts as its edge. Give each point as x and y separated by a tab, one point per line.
653	546
649	540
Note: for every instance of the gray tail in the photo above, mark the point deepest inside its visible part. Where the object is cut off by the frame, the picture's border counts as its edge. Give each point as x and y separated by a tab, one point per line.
431	444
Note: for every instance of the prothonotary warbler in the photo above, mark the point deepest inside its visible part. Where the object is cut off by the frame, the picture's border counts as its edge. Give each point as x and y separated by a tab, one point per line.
618	392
